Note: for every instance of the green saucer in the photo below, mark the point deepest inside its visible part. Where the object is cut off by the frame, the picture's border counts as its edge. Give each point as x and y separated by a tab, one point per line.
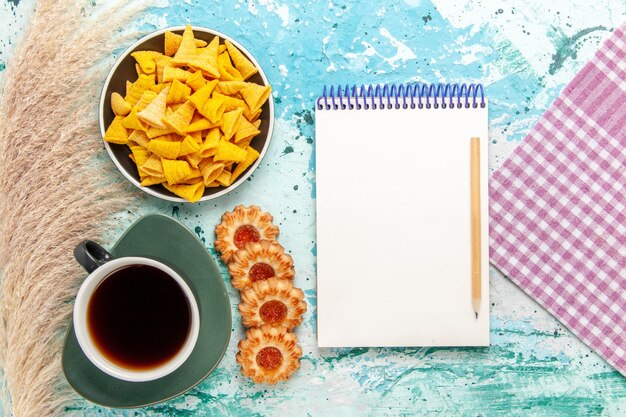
163	239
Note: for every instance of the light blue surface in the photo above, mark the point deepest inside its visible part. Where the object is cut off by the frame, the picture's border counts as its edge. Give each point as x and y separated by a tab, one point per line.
524	52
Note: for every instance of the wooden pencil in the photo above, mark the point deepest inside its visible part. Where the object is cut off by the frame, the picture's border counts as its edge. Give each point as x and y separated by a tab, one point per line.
475	215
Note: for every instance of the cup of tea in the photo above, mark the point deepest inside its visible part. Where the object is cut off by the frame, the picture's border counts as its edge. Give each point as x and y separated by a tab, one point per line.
135	318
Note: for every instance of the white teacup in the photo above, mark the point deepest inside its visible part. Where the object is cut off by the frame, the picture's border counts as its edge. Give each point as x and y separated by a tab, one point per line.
101	264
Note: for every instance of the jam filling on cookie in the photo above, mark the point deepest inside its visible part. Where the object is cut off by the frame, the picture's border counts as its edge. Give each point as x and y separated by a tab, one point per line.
245	234
273	312
269	358
261	271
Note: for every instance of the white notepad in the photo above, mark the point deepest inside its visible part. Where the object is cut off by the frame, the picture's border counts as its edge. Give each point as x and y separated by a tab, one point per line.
393	217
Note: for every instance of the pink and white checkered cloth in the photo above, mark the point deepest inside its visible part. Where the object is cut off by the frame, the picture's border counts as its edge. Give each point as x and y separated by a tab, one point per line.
558	206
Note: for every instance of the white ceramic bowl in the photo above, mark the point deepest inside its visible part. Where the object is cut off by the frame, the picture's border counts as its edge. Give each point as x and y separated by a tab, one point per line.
124	69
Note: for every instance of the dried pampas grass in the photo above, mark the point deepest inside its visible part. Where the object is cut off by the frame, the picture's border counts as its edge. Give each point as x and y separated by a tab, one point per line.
53	189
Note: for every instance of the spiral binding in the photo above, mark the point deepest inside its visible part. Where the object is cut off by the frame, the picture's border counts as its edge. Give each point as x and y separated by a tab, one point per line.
392	96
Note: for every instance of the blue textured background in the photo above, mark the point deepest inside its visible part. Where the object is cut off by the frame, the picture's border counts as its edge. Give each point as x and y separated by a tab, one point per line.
524	52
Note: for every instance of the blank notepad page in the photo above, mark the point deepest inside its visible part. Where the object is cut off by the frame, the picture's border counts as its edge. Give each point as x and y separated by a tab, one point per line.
393	226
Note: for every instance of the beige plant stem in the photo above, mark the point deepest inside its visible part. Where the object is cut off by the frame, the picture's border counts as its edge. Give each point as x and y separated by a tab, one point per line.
56	188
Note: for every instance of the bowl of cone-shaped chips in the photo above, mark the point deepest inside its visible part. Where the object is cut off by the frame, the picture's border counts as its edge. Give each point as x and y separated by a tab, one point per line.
186	114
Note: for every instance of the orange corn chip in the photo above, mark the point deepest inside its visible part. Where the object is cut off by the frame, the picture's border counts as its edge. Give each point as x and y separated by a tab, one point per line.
187	146
251	117
162	61
207	59
136	89
132	121
209	146
120	106
210	170
224	178
213	109
245	143
241	62
133	94
153	166
230	88
194	175
159	87
173	40
129	85
179	92
196	117
139	137
170	137
194	159
251	156
153	132
206	151
222	48
227	151
140	154
227	71
255	95
171	74
117	133
190	192
149	180
142	173
230	123
187	49
196	81
175	171
213	138
245	131
164	148
155	111
231	103
181	118
197	136
145	100
145	59
174	107
203	94
199	125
